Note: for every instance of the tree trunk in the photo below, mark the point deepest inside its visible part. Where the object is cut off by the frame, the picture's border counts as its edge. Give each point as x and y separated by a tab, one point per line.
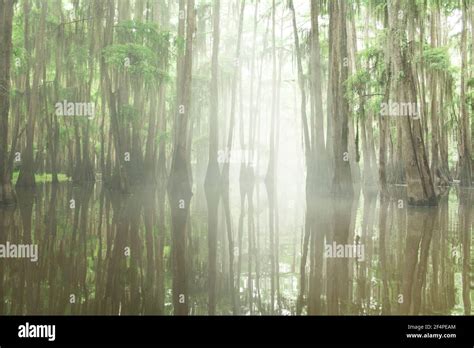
420	185
342	178
465	162
7	195
179	186
228	150
26	177
213	174
317	129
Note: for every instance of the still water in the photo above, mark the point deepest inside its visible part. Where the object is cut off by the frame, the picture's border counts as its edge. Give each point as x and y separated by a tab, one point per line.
105	253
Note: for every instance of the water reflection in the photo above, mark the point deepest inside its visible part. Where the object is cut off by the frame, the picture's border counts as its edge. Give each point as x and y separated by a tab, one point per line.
113	254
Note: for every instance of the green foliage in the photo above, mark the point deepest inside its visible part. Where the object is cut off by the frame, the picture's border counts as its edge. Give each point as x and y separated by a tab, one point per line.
358	81
371	53
143	50
374	103
136	59
127	112
354	86
436	58
20	56
470	83
163	136
146	32
373	59
42	178
447	7
179	43
77	58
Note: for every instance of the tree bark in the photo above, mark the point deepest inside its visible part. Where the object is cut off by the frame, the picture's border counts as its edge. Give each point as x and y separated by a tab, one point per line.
420	185
213	175
342	178
7	195
179	186
465	161
26	177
